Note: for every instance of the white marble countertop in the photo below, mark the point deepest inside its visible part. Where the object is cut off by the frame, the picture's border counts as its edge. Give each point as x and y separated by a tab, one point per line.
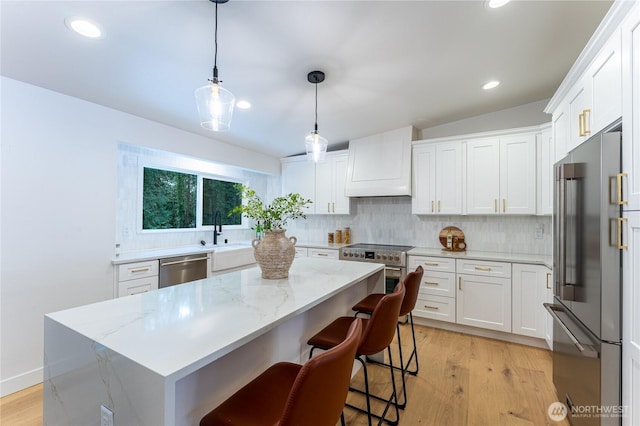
321	245
536	259
174	331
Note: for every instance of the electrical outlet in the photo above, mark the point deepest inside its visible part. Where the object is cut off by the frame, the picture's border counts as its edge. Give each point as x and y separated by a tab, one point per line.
539	231
106	416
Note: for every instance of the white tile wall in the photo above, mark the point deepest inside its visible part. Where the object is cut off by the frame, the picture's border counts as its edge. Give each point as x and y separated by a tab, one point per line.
388	220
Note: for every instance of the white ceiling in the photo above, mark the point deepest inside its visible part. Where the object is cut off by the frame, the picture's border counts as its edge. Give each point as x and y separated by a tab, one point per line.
388	63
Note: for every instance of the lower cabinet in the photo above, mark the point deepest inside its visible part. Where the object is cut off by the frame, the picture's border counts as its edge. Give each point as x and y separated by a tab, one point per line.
137	277
484	301
530	286
500	296
437	296
301	251
323	253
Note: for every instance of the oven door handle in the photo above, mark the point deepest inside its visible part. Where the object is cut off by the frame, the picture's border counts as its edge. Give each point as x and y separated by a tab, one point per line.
587	352
393	272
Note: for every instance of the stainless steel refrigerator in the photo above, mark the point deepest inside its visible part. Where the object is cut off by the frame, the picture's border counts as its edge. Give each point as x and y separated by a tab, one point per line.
587	337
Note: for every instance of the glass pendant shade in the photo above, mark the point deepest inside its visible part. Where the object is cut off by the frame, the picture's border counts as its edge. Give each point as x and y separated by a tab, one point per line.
316	146
215	107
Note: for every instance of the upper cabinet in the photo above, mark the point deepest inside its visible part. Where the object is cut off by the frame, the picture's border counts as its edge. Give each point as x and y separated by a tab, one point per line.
501	175
545	155
330	179
380	165
322	183
437	178
299	176
590	97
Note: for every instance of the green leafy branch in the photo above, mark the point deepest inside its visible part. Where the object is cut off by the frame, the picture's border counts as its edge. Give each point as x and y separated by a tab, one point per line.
271	216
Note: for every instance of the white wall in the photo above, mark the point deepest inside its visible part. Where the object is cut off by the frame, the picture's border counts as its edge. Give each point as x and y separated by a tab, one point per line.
526	115
58	191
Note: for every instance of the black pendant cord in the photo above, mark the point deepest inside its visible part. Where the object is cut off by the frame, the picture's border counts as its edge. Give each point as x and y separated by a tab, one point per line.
316	125
215	49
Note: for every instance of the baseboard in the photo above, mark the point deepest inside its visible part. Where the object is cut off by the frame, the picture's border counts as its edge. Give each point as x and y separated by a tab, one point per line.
21	381
491	334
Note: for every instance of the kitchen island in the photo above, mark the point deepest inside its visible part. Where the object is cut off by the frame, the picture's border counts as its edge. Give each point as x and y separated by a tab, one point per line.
168	356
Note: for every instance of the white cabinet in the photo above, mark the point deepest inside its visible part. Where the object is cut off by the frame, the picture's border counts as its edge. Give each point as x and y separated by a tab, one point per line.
323	183
380	165
301	251
323	253
299	176
546	158
630	33
631	320
329	185
548	319
437	296
501	175
437	178
137	277
592	101
529	292
484	299
483	176
631	109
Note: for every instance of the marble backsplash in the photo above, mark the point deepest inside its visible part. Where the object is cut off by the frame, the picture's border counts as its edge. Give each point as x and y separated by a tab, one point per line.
388	220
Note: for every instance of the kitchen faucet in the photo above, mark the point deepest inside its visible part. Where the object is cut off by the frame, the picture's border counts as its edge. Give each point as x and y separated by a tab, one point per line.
217	221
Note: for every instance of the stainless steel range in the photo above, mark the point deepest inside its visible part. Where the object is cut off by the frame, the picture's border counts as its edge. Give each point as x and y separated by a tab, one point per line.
393	257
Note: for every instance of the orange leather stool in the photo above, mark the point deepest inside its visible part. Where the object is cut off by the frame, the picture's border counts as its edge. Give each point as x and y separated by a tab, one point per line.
289	394
367	305
377	335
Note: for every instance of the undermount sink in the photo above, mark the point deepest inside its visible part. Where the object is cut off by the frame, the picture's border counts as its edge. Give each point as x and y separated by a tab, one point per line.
228	256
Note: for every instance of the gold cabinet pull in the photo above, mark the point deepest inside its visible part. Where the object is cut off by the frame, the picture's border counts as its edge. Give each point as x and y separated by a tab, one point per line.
322	254
432	202
333	207
619	177
580	124
495	205
430	307
431	283
548	276
482	268
585	128
145	269
504	205
438	206
620	245
431	264
328	207
459	283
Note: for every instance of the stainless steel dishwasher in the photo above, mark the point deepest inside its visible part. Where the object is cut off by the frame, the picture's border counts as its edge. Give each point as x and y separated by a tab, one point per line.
182	269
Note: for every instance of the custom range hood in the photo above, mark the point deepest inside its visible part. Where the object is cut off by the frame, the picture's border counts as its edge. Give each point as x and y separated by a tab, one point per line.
380	165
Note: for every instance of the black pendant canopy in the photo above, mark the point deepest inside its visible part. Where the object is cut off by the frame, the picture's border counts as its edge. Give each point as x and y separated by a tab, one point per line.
314	76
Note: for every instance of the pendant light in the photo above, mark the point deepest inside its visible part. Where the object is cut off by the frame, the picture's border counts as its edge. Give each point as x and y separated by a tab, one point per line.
215	103
315	144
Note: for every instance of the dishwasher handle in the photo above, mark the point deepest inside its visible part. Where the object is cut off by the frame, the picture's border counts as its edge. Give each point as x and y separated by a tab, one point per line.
176	262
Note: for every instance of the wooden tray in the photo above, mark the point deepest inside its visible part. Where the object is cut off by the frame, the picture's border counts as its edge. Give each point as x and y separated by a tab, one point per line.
458	243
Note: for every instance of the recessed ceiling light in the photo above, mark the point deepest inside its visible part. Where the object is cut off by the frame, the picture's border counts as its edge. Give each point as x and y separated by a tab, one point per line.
243	104
494	4
491	85
84	27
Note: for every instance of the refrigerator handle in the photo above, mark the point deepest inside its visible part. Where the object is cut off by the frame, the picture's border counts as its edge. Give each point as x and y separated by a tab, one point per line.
562	227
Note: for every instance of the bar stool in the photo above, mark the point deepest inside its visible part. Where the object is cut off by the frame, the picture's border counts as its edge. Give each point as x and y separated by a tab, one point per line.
412	287
377	335
289	394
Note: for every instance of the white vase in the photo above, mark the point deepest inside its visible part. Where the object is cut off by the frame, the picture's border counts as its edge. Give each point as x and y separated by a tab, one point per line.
274	254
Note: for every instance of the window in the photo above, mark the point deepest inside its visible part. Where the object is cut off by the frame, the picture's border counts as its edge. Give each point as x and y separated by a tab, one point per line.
220	196
170	200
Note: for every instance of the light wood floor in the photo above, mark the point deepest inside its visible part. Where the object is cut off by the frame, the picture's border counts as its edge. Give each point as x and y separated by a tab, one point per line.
463	380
